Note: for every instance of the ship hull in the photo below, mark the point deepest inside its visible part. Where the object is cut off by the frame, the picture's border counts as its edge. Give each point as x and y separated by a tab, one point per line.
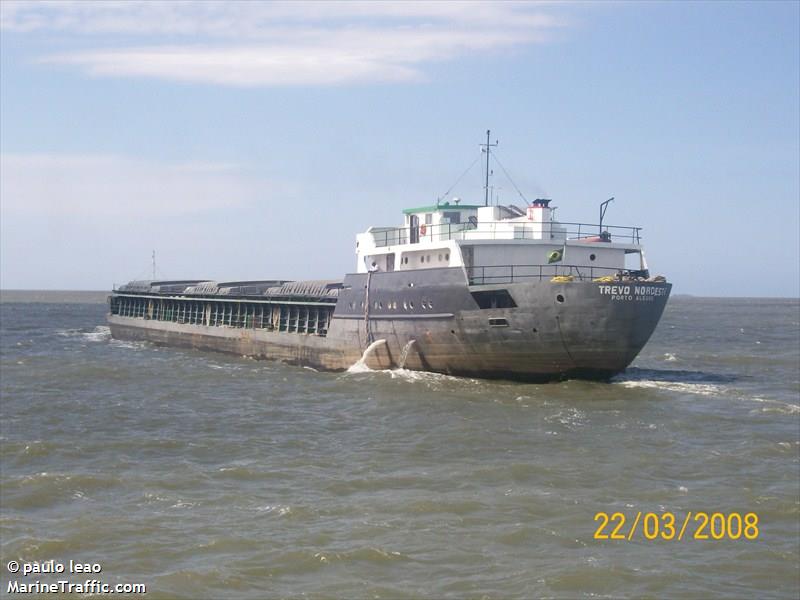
431	321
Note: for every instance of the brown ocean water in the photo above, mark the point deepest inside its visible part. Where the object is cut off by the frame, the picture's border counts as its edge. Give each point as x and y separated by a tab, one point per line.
211	476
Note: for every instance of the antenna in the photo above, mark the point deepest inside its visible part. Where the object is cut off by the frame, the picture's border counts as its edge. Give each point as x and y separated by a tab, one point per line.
154	265
603	209
488	151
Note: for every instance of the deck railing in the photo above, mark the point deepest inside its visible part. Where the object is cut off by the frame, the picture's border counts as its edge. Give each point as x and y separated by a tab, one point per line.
493	274
491	230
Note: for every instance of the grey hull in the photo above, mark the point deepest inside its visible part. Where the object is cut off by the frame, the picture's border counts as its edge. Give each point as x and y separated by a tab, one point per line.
429	320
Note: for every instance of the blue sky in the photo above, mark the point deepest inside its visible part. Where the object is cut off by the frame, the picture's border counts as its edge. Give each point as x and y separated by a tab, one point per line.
253	140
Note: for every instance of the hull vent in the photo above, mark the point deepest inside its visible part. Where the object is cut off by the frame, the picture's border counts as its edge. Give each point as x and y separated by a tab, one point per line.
494	299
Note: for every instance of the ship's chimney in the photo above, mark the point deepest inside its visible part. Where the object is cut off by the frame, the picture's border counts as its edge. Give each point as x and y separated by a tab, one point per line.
539	210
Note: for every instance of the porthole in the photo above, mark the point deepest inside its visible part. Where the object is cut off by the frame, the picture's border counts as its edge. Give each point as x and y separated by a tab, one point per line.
560	298
405	305
430	304
380	305
440	258
422	259
592	257
411	304
447	256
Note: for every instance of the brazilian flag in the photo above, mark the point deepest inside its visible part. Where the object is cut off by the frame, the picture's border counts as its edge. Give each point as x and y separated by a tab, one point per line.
555	255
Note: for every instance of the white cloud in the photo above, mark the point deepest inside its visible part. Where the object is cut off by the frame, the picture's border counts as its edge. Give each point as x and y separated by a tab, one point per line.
298	43
235	19
53	186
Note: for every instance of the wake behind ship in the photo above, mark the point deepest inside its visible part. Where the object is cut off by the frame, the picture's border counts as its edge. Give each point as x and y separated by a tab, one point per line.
469	290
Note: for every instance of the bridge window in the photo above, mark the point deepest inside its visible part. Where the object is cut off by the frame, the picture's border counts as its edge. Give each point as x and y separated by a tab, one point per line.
451	217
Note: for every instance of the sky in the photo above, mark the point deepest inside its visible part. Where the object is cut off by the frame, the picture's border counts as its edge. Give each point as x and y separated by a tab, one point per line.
247	140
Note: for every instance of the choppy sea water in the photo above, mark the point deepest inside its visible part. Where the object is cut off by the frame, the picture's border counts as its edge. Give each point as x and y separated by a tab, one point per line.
205	475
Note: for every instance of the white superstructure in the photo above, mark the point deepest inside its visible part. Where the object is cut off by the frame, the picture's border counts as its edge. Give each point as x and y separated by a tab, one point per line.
488	240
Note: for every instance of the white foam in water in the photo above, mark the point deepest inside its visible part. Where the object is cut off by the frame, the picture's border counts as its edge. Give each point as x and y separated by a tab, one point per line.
670	357
280	510
410	375
570	417
778	406
127	344
359	367
702	389
68	332
101	333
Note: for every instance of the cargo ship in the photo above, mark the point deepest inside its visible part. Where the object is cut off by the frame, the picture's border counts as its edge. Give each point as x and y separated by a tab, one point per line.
476	290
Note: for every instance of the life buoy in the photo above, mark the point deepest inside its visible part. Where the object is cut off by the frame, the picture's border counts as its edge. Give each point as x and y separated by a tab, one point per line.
423	229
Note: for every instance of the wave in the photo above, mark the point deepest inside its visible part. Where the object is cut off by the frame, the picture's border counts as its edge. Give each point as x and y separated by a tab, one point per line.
777	406
408	375
101	333
128	344
685	382
571	418
702	389
673	375
68	332
279	510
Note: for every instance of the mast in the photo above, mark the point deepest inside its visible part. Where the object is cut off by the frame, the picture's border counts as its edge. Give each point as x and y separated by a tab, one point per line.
488	147
154	265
